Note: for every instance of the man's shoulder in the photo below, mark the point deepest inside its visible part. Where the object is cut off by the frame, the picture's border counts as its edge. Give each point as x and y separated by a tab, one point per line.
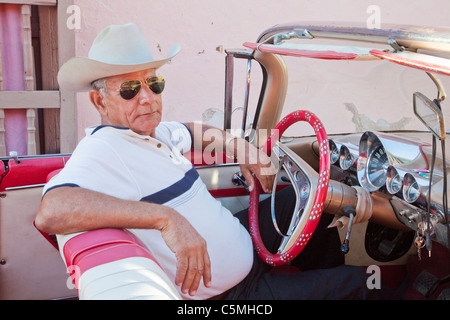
100	140
110	135
102	130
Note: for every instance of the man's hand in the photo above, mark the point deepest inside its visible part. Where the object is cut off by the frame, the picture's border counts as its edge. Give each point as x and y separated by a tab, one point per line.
190	250
254	161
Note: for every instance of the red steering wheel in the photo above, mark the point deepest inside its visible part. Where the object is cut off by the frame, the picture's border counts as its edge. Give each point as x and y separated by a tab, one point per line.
311	190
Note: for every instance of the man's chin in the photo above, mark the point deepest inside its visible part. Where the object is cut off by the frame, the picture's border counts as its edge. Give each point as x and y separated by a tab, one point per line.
148	128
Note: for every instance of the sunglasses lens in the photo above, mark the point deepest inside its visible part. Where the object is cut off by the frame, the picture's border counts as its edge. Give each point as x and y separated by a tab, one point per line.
130	89
156	84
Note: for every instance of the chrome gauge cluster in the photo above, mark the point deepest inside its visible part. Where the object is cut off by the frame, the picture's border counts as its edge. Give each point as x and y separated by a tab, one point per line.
397	167
383	162
344	154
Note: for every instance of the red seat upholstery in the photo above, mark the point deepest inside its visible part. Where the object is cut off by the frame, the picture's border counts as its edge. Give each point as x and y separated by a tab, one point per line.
52	174
98	247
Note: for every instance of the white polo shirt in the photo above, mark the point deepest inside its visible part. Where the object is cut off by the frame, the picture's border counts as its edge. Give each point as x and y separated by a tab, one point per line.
120	163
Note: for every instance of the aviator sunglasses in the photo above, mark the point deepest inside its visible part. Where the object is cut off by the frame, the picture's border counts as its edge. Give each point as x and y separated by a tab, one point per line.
130	89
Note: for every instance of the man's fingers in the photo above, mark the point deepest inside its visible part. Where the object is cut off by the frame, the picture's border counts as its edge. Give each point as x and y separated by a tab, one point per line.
207	278
266	182
248	178
182	267
193	275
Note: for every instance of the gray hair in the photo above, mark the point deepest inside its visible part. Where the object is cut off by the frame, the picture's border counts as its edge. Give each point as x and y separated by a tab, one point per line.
100	85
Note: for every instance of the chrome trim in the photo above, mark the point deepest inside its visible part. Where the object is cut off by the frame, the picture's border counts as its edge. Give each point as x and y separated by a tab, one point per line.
247	98
228	109
31	186
295	34
229	81
433	38
48	156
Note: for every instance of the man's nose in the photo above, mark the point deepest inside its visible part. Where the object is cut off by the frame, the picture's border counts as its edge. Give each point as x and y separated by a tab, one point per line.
146	95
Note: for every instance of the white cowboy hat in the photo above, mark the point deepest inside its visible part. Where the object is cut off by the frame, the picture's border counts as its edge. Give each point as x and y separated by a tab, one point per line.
116	50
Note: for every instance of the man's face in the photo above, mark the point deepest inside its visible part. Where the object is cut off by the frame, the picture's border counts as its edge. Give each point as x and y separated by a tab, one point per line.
142	114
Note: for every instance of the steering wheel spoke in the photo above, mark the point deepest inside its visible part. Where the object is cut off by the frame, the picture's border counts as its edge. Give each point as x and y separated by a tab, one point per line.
298	180
301	176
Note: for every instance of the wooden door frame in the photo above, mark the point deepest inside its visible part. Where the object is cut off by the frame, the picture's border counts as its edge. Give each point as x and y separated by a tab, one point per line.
58	44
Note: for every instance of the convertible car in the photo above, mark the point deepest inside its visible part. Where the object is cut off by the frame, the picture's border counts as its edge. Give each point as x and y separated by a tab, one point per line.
386	188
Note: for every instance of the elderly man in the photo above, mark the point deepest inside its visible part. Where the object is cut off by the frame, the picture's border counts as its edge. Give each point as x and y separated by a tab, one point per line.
130	173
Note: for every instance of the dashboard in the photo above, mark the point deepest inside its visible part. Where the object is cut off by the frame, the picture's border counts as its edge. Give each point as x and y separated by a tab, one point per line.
399	166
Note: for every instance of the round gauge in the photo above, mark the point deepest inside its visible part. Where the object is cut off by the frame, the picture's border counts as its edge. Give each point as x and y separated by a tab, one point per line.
411	191
394	182
377	164
334	152
346	159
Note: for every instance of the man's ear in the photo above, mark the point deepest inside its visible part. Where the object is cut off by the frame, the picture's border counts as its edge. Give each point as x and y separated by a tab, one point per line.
97	100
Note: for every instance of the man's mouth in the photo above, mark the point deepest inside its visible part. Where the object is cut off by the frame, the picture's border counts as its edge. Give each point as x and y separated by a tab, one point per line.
149	114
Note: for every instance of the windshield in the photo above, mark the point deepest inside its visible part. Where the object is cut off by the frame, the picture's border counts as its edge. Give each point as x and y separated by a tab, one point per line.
358	96
350	95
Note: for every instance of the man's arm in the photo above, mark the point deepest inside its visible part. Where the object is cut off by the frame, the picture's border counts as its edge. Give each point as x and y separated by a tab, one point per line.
68	210
251	159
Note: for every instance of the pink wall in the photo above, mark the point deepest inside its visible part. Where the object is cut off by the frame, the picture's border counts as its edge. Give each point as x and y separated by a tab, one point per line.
13	75
381	92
